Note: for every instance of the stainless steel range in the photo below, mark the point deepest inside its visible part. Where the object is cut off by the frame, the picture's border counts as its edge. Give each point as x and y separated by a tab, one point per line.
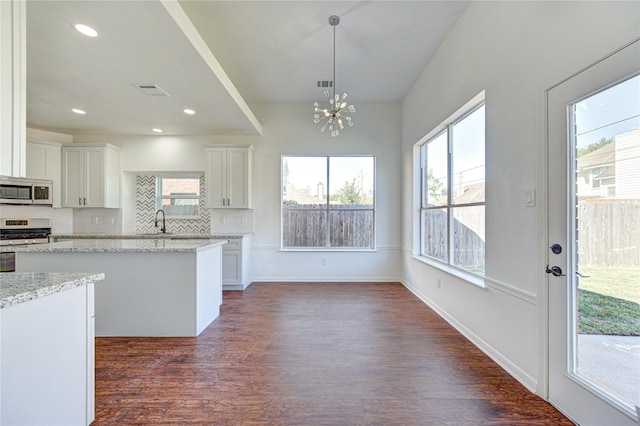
19	232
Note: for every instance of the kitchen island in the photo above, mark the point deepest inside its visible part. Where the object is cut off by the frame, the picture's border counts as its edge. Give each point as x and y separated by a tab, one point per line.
153	287
47	348
237	261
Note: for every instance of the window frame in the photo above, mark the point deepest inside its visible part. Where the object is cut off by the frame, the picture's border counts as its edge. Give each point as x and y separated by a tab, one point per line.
421	194
159	197
327	209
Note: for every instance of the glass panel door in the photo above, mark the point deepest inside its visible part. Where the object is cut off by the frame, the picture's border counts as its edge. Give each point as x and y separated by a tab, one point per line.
606	229
593	261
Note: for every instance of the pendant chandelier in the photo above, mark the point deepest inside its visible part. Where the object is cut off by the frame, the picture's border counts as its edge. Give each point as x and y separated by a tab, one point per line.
333	116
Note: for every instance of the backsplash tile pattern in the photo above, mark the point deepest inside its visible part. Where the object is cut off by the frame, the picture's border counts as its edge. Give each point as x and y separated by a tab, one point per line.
146	210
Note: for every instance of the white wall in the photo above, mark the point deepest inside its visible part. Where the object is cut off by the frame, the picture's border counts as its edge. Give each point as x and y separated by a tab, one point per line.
514	51
288	129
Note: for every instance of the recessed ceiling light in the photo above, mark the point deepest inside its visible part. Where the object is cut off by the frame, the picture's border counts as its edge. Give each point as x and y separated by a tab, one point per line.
78	111
157	130
86	30
189	111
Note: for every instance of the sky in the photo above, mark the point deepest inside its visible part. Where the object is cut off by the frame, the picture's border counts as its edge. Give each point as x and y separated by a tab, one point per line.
608	113
468	148
306	172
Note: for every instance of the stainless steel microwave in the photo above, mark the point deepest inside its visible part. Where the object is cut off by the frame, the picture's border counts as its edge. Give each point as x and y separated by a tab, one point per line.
26	191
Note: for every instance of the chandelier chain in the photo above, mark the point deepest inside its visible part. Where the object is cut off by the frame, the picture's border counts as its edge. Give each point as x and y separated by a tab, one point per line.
333	117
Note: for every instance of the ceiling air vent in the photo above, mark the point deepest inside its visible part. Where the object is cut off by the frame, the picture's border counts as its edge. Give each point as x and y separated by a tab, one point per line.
325	83
151	89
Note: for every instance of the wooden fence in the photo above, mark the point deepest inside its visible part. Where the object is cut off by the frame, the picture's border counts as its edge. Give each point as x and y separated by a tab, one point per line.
306	225
468	250
609	232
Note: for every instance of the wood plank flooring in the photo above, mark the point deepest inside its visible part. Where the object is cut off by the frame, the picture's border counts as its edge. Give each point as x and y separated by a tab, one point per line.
313	354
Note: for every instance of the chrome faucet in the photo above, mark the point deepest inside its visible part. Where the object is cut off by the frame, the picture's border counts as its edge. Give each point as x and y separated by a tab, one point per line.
164	225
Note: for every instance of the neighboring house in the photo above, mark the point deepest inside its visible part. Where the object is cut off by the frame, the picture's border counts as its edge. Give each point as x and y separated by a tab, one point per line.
596	174
611	171
305	195
627	170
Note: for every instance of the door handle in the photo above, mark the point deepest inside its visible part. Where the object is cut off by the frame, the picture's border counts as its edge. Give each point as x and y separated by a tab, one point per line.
556	271
581	275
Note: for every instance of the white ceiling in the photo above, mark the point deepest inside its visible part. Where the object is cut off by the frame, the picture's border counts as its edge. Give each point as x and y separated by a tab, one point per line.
219	58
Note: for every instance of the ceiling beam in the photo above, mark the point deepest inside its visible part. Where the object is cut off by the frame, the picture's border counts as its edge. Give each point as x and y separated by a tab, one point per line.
180	17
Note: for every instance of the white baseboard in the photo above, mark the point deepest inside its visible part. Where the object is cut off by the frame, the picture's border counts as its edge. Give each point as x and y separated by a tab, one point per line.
341	279
516	372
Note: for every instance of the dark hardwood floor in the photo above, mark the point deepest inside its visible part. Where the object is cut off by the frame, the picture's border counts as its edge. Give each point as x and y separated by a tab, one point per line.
313	354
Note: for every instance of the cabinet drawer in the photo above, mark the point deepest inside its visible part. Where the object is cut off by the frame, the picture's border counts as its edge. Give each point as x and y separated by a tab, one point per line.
235	244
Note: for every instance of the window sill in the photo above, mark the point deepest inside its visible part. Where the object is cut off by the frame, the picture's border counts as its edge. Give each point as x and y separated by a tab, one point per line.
474	279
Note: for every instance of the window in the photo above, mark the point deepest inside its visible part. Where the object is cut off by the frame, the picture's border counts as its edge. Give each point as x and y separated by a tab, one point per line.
452	210
178	196
328	202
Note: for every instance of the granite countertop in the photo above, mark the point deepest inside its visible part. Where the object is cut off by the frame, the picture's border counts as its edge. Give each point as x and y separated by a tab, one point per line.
19	287
112	245
149	236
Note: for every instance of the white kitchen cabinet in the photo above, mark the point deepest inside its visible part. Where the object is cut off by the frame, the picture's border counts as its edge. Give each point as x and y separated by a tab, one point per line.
229	176
47	353
91	353
44	161
13	87
236	263
91	176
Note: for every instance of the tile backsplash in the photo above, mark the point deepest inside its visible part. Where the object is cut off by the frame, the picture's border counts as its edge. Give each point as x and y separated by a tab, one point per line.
146	210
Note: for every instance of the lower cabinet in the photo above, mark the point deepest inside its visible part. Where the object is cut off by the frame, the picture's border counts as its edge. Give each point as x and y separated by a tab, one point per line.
236	263
47	353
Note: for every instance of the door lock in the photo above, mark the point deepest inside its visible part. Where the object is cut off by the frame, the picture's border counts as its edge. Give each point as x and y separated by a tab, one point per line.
555	270
556	248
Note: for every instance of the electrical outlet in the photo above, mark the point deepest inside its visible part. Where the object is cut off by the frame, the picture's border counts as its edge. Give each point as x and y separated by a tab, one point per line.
324	261
439	283
243	221
110	220
221	220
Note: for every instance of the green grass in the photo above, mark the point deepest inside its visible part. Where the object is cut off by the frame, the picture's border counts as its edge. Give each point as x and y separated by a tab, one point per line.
609	301
598	314
623	283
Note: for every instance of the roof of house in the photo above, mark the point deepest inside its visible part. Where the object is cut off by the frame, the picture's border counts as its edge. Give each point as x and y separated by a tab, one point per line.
605	156
473	193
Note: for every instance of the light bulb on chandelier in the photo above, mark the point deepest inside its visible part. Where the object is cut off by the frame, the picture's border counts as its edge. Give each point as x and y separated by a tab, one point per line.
333	116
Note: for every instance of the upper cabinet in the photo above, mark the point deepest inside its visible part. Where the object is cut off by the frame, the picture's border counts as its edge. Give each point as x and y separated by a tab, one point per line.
229	176
13	87
43	162
91	176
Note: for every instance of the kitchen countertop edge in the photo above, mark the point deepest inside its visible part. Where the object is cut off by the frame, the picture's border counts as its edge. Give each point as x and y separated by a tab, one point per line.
20	287
133	245
149	236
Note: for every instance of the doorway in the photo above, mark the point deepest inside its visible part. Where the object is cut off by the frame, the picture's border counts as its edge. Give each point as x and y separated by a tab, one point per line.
593	266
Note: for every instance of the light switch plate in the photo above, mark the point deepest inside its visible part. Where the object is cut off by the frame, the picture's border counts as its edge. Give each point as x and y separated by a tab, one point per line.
530	198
